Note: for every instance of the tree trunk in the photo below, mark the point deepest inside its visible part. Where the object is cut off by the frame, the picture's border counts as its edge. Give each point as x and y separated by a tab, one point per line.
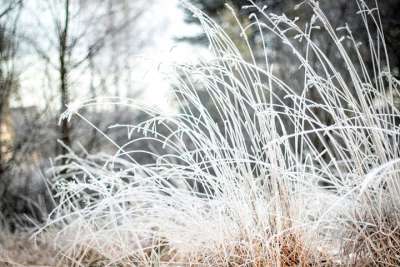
65	125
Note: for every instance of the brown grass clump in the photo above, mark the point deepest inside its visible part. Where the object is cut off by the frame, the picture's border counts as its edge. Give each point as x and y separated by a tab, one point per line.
373	232
374	241
291	250
282	250
156	253
20	250
84	256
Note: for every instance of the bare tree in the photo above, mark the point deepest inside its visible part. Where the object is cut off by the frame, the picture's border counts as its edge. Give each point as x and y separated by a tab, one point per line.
63	71
78	35
8	76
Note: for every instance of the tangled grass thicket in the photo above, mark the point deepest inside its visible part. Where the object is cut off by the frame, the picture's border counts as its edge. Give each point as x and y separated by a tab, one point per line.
241	186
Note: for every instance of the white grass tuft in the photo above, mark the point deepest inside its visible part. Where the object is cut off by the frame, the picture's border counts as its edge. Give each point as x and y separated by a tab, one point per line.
239	185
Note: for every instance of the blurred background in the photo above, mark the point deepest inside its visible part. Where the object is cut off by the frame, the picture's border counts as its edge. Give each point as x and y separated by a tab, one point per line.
56	52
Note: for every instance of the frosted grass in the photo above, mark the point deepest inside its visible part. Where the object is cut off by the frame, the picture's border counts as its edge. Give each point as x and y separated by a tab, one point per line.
246	189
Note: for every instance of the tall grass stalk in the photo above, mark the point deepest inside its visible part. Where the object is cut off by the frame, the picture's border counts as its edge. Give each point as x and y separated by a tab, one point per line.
245	190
